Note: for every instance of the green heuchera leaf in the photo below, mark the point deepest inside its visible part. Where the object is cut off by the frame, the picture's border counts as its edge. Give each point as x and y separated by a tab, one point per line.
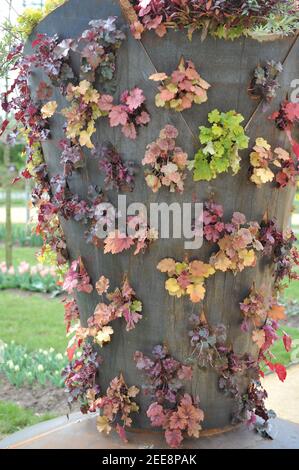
221	143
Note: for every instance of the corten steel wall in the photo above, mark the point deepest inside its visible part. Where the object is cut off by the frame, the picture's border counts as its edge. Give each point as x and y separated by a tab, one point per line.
227	66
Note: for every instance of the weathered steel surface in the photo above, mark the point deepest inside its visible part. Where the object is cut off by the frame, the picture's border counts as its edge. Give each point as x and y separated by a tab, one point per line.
228	66
81	433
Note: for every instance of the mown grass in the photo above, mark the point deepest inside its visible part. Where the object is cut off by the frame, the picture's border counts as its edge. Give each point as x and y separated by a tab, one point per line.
34	320
14	417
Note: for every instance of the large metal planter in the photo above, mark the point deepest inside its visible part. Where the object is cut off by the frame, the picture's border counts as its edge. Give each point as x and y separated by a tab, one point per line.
228	66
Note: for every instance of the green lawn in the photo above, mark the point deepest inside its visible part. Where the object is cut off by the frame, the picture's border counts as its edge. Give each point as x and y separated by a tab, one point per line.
278	349
13	418
21	254
32	320
292	291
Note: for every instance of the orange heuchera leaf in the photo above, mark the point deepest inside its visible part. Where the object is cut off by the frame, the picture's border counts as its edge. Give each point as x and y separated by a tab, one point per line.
102	285
167	265
196	292
117	242
158	77
200	269
277	312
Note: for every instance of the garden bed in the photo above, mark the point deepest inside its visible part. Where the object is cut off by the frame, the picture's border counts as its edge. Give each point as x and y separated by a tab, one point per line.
41	400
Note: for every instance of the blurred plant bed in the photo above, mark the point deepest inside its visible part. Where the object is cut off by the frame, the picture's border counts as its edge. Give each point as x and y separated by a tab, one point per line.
292	312
27	368
33	380
22	235
37	278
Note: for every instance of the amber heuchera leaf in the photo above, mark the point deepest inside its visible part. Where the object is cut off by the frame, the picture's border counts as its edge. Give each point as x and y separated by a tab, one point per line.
49	109
167	265
277	312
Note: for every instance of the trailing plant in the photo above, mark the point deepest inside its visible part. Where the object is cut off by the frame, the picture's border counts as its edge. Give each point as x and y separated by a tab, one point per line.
264	83
251	405
210	349
178	413
286	119
98	47
221	145
131	113
279	247
71	313
263	158
80	378
167	162
118	403
186	278
183	88
119	175
87	105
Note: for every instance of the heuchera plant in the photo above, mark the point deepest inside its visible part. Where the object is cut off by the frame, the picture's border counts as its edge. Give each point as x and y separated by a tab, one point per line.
214	227
139	234
265	83
279	247
237	246
99	46
52	56
87	105
80	378
72	157
263	158
208	345
77	278
186	278
117	403
167	162
221	143
131	113
264	312
183	88
210	349
122	303
94	212
176	412
119	175
286	119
